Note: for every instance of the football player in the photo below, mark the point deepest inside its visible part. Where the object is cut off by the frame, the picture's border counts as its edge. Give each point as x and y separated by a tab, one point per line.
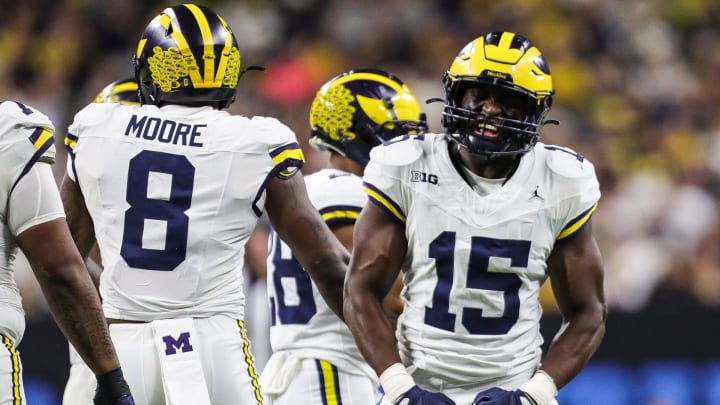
80	386
478	218
314	355
32	219
171	191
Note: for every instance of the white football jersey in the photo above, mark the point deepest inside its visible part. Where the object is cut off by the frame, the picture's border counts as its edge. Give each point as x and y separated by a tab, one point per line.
174	193
475	264
26	137
300	319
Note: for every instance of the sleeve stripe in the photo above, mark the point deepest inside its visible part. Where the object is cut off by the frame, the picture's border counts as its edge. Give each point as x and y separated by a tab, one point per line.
70	142
288	158
384	201
577	223
338	214
288	151
284	157
37	156
40	136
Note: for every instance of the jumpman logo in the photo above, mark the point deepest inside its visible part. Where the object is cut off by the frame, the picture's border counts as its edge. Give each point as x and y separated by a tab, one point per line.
535	194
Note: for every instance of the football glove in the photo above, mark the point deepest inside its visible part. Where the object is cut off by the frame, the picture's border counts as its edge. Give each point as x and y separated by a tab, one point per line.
498	396
418	396
112	389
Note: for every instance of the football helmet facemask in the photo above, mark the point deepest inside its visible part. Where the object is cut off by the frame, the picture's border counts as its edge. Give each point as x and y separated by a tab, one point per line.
507	68
123	91
360	109
187	55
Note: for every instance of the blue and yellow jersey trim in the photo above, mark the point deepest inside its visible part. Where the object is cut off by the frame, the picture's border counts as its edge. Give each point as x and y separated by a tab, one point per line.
250	363
288	160
15	373
329	383
383	201
42	140
70	143
577	223
336	215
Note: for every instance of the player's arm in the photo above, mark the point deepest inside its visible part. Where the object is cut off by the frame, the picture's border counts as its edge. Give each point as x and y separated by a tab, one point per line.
379	250
380	247
78	216
44	238
576	272
300	225
392	303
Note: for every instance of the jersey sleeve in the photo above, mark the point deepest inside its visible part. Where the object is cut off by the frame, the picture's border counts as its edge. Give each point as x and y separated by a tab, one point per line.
27	138
282	149
338	196
34	201
580	190
71	137
383	178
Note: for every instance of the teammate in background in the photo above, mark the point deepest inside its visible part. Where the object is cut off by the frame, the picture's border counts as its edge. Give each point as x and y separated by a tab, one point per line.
478	218
314	356
172	189
80	386
32	218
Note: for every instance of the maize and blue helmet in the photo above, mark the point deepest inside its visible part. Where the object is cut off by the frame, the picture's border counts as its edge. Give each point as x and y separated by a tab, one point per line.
187	55
514	71
123	91
360	109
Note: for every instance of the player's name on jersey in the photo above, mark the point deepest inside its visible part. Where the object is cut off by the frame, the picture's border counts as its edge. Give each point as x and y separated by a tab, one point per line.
165	131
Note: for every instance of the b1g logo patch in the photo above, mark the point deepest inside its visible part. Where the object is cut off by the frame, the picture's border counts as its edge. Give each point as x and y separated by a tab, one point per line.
182	343
422	177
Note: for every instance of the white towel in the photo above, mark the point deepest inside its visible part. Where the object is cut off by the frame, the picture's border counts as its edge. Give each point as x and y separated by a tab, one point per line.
279	371
183	380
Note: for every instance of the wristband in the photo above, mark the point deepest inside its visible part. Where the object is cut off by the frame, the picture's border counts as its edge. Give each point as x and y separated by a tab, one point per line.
541	388
396	381
111	386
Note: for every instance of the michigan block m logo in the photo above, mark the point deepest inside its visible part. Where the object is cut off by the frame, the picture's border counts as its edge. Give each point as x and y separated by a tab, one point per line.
182	343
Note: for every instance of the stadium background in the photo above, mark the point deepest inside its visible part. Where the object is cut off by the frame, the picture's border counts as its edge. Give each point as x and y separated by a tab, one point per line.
637	93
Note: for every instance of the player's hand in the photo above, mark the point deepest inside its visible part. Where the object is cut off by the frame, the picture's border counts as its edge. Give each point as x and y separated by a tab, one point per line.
498	396
418	396
112	389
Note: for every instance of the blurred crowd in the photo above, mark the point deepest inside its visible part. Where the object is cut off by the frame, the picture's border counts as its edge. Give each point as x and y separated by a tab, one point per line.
636	93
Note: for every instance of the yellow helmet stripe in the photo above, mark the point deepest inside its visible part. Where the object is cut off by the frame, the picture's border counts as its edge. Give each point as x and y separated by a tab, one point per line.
222	66
502	53
184	48
208	51
122	87
141	46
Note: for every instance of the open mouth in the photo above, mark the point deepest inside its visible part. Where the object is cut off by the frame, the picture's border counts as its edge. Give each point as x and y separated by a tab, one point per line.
487	130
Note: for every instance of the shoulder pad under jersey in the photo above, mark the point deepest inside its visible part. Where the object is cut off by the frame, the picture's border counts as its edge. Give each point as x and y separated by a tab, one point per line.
19	118
567	163
399	151
13	113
